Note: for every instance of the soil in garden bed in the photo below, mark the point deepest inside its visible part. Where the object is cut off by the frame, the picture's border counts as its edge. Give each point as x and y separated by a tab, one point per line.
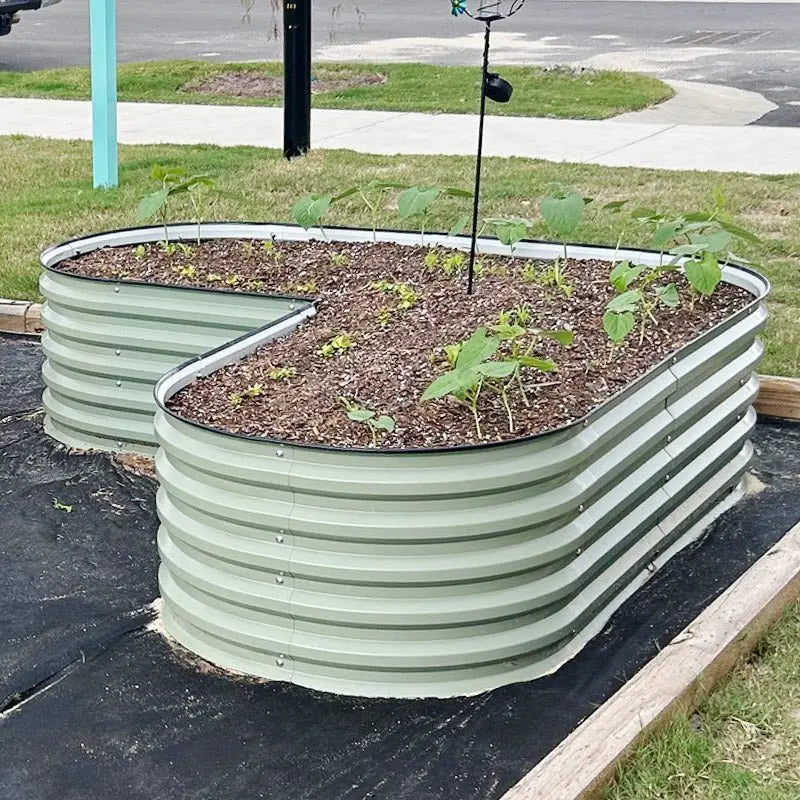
250	83
289	391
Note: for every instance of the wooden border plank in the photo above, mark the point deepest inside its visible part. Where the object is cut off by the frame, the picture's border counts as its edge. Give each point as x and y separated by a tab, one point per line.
779	397
675	681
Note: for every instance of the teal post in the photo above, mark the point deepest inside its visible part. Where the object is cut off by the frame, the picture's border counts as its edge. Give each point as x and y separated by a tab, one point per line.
103	35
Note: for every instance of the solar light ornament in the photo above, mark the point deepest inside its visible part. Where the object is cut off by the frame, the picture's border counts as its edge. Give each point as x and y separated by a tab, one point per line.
493	87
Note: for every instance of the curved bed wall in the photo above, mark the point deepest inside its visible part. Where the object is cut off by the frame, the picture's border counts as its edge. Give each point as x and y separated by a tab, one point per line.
445	572
390	573
107	342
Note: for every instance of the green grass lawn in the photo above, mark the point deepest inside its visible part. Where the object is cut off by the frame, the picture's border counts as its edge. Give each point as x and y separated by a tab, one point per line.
46	196
558	93
744	742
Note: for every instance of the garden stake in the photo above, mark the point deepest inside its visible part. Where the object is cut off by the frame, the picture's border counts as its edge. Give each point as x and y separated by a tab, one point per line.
493	87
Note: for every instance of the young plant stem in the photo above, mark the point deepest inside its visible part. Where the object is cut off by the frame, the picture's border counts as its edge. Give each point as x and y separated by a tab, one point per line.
504	396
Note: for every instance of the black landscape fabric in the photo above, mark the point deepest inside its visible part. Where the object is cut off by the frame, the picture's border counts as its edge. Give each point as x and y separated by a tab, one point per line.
97	705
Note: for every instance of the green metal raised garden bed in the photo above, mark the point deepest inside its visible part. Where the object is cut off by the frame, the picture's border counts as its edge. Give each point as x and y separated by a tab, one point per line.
416	573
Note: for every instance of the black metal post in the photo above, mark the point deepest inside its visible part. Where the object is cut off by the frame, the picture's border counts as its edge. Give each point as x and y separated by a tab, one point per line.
296	77
477	197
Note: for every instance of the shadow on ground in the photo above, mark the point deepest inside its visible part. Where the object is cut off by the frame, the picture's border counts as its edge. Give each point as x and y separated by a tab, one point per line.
97	705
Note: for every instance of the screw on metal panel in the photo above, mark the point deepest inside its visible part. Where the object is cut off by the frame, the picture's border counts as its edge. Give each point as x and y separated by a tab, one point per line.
738	417
581	507
586	423
279	453
279	578
291	306
119	444
116	288
743	381
279	661
667	477
674	359
117	352
578	551
119	383
279	539
669	437
198	375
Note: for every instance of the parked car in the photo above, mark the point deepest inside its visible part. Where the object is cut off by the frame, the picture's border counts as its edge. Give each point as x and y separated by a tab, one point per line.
9	11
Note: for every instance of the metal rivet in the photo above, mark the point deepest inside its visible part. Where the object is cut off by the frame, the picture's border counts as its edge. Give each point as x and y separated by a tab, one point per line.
743	381
291	306
738	417
119	383
667	477
669	437
674	359
578	551
279	661
119	444
198	375
116	288
279	578
117	352
581	507
279	453
279	539
586	423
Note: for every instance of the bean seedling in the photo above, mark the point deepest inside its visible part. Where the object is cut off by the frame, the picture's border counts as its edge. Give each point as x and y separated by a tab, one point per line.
250	393
336	345
282	373
377	424
174	181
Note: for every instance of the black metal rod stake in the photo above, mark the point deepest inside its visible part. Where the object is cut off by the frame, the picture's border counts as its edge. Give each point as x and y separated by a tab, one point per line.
296	77
477	197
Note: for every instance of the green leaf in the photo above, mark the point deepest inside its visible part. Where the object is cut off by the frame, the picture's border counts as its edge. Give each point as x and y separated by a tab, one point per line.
459	225
564	337
624	274
384	423
510	231
360	414
152	204
346	193
668	295
476	349
704	275
309	210
455	192
453	382
628	302
542	364
614	206
738	231
716	242
646	214
666	232
718	198
496	369
415	201
617	325
563	214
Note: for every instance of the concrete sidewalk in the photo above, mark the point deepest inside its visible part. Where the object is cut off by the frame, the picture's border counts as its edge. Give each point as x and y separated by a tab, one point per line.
754	149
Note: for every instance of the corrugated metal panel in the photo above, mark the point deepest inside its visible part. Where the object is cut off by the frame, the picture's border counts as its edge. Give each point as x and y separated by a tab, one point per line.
446	572
107	343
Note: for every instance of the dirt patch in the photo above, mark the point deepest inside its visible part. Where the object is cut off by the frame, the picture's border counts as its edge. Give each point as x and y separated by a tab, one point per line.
250	83
389	355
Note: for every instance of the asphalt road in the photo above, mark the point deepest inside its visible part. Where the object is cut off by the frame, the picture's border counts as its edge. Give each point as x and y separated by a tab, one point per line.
752	46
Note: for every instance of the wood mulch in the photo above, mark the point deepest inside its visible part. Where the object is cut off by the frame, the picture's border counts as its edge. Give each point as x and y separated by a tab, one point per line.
247	83
396	354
